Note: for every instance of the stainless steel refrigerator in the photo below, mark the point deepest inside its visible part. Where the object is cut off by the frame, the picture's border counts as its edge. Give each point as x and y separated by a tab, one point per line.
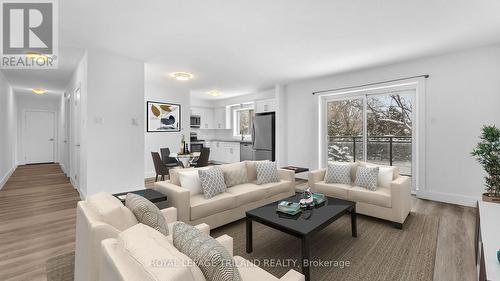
263	136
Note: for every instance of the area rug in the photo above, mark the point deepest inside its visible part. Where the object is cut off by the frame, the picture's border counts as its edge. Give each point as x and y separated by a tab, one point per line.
61	268
380	252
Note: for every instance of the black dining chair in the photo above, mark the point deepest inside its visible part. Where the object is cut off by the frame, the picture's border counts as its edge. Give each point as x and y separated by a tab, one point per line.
170	162
203	159
160	168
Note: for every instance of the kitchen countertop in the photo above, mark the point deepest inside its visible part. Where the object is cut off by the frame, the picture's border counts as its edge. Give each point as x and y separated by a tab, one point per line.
234	140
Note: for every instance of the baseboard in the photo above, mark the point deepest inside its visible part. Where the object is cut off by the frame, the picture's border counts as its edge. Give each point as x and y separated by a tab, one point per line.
5	178
463	200
83	195
63	169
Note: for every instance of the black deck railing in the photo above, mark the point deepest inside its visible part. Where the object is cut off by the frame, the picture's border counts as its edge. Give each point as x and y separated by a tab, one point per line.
378	146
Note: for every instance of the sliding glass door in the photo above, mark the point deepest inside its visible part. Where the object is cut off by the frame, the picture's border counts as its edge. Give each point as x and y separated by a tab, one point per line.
372	126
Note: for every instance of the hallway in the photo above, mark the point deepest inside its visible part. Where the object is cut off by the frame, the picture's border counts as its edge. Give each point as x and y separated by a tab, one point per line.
37	220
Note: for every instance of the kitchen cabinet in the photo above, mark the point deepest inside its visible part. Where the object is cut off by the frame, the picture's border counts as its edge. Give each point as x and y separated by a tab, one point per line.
220	118
224	152
206	117
262	106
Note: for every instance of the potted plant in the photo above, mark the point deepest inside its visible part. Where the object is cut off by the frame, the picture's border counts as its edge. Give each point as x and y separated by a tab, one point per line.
487	153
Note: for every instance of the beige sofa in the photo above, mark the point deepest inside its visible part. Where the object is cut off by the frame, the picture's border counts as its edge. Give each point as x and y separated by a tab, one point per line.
103	216
389	203
230	205
142	253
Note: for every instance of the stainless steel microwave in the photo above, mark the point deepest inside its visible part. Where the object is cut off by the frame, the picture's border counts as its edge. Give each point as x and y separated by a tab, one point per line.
195	121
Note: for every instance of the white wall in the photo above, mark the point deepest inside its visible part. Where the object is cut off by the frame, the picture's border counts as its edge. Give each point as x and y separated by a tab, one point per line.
34	102
8	130
463	94
163	90
113	127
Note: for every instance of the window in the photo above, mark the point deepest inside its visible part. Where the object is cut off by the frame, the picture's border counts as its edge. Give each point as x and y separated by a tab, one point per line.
243	120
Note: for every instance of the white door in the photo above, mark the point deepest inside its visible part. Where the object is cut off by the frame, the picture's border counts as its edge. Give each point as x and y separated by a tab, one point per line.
39	137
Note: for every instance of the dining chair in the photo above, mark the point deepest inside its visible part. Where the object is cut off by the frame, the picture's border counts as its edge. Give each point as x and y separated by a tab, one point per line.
203	159
170	162
160	168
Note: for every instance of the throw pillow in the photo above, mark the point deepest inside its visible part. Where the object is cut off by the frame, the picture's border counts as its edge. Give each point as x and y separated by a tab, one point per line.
266	172
234	177
367	177
386	174
146	212
338	173
190	180
212	182
209	255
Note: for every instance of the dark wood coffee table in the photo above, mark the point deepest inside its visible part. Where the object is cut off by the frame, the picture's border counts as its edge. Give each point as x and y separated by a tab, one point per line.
303	225
150	194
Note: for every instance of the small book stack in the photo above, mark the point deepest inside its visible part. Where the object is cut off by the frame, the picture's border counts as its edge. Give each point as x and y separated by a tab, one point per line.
290	208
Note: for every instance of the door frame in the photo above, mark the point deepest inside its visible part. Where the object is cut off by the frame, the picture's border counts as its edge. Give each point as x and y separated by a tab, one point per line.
418	115
24	133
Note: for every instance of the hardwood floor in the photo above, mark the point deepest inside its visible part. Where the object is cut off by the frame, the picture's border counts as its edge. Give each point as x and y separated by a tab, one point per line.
37	220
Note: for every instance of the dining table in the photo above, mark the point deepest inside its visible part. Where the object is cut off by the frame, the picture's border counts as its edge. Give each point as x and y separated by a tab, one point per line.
186	159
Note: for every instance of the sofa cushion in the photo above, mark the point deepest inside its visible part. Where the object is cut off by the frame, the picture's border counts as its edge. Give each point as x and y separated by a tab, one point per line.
395	170
212	182
235	173
250	271
150	249
267	172
247	193
209	255
110	210
274	188
367	177
380	197
338	173
251	171
336	190
190	180
201	207
146	212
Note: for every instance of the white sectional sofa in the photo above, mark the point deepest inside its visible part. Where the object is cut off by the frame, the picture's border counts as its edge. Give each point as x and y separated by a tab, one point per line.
389	203
103	216
230	205
145	254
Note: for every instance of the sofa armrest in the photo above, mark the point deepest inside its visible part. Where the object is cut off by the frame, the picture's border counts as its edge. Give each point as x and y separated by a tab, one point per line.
401	198
204	228
286	175
293	275
316	176
177	197
226	241
170	214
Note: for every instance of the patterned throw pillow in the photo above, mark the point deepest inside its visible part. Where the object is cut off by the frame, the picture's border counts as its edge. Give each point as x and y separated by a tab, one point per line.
212	182
338	173
367	177
267	172
235	177
146	212
209	255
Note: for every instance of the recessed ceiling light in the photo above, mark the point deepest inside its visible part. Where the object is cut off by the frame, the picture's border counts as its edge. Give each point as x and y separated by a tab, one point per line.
39	91
215	93
181	76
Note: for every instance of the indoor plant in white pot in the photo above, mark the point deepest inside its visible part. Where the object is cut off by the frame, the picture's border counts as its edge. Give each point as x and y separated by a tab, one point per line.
487	153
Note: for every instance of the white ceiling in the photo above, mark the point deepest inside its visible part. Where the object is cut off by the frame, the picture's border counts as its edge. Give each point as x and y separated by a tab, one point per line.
240	46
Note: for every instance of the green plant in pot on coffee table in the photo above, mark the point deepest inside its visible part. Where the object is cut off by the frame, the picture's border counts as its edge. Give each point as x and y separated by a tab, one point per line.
487	153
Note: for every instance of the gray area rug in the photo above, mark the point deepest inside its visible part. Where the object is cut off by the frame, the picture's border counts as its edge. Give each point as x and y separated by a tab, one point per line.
380	252
61	268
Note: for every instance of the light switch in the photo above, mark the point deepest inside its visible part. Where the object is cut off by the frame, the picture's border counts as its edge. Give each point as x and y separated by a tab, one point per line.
98	120
135	122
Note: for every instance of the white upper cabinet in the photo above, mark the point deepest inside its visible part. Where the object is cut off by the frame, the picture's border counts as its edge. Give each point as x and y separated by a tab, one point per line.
220	118
262	106
206	117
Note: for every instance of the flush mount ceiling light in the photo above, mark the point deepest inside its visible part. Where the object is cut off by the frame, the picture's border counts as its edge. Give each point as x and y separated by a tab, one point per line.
39	91
214	93
181	76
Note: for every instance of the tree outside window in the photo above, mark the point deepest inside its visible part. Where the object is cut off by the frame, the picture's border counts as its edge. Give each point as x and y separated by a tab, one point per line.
244	122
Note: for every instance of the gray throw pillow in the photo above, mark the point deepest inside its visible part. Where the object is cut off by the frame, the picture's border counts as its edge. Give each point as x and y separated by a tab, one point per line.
267	172
212	182
338	173
146	212
367	177
209	255
235	177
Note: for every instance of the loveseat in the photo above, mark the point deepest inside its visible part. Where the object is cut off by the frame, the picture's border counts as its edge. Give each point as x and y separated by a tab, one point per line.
392	203
103	216
142	253
230	205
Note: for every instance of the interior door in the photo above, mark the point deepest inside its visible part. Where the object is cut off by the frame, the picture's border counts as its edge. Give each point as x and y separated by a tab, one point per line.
39	137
